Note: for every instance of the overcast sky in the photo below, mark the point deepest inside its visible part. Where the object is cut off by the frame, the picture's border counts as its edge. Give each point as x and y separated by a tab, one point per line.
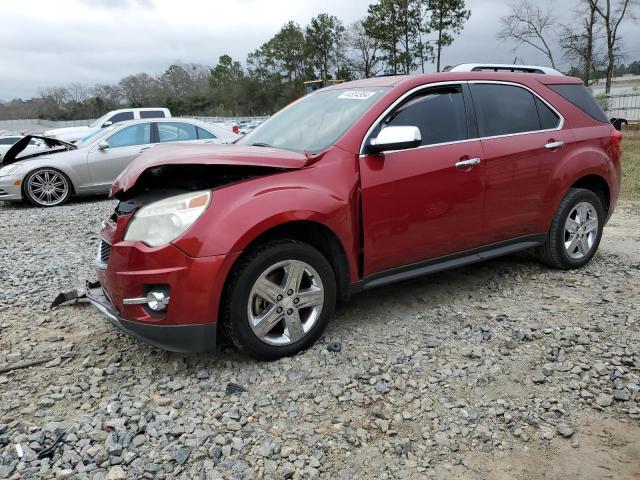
57	42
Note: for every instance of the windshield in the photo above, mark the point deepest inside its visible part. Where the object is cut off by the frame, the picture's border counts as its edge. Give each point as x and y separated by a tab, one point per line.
84	141
314	122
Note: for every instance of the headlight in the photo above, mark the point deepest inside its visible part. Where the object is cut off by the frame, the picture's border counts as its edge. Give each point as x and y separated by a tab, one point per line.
10	170
162	222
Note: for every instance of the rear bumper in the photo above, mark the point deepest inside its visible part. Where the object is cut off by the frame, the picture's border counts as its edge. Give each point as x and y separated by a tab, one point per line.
175	338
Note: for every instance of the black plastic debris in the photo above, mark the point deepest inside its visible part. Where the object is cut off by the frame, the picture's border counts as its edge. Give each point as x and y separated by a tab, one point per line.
234	389
334	347
50	450
66	297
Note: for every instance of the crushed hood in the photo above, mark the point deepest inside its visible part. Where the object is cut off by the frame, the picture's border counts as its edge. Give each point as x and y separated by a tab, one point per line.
20	145
206	154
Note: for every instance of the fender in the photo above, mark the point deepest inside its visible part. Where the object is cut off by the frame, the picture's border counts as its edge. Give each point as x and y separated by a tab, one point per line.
583	160
240	213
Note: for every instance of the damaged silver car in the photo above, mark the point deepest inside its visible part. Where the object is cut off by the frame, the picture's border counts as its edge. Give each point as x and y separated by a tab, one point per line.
50	177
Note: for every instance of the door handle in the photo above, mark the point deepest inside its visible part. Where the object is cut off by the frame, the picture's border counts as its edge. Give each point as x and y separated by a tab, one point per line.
554	145
470	162
144	148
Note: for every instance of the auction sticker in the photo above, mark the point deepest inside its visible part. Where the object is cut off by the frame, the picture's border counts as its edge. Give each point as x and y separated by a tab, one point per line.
357	94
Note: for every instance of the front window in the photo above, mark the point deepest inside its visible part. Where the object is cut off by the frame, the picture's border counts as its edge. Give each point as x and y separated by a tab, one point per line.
139	134
315	122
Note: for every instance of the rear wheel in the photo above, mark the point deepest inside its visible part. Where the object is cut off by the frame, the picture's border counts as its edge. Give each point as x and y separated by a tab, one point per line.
47	187
575	231
279	299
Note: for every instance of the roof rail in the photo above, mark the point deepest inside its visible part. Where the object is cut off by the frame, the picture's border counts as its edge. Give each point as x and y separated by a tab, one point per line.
503	67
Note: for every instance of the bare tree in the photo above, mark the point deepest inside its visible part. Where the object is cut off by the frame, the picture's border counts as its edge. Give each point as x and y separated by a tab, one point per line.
612	16
579	40
363	51
529	24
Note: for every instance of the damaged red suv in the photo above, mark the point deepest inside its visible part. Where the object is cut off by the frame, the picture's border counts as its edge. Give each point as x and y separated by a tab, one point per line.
349	188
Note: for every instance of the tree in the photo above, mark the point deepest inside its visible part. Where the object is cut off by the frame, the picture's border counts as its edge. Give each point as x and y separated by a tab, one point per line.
612	16
177	82
226	84
578	40
363	51
323	37
397	26
529	24
447	17
140	90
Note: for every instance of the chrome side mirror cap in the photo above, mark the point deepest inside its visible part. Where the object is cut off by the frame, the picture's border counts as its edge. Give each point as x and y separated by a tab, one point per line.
103	146
395	138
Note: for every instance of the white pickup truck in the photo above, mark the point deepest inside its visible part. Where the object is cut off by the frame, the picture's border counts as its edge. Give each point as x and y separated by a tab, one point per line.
73	134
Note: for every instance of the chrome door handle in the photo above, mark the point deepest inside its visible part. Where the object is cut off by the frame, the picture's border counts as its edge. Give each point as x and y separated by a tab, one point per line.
554	145
471	162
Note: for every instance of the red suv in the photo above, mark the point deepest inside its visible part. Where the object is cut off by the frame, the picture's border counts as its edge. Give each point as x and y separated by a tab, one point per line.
352	187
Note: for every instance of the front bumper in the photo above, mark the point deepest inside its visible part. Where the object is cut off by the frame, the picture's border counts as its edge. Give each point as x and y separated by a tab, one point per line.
175	338
9	190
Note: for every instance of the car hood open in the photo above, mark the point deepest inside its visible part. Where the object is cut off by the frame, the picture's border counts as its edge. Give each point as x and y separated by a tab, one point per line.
206	154
20	145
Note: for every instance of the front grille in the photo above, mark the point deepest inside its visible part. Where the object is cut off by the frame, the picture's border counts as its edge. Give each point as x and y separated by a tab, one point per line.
104	250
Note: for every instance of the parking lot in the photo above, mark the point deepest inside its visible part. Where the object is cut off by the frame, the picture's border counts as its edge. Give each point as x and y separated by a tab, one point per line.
500	370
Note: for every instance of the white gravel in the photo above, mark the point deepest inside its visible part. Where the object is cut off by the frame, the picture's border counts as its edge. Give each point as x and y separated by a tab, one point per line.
501	370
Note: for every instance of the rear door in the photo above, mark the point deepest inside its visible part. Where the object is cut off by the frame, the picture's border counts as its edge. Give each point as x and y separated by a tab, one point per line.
523	139
416	203
123	146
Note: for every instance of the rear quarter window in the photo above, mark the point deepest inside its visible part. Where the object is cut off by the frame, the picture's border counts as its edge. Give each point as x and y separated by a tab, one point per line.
152	114
579	96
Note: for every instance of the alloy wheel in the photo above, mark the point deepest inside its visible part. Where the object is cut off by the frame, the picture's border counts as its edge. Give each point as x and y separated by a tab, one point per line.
48	187
285	302
581	230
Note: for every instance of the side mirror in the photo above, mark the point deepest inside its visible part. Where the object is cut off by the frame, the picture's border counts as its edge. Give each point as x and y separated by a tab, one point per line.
106	124
395	138
103	146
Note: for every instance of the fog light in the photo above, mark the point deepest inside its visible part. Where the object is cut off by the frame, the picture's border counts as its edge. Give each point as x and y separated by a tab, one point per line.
157	300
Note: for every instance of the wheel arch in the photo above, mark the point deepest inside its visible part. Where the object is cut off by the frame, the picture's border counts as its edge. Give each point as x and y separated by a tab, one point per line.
598	185
318	236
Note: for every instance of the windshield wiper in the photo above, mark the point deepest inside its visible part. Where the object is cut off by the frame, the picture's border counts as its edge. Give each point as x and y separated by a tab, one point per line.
260	144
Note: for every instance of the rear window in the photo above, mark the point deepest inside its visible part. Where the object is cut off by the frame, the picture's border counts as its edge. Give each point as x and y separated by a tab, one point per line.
504	109
151	114
581	98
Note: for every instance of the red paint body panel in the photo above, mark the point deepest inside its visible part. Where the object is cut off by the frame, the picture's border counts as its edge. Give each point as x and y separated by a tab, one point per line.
385	210
417	205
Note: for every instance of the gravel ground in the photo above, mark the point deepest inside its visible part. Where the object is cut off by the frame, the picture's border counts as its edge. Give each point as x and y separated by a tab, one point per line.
500	370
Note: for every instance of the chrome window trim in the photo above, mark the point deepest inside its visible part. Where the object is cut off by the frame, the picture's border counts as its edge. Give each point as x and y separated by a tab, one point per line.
454	83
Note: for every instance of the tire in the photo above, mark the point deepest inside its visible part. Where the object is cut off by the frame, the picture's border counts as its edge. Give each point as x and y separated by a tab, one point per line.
58	187
262	316
582	211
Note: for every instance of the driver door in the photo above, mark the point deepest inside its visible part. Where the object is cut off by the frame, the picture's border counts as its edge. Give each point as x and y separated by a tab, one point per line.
124	145
422	203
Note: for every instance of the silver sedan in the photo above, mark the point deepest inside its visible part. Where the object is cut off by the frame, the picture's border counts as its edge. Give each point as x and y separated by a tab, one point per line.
51	177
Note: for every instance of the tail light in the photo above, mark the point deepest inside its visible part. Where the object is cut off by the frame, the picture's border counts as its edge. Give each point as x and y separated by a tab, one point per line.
616	143
616	138
235	129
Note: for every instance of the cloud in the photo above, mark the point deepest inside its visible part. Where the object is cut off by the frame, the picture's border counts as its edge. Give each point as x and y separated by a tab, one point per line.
101	41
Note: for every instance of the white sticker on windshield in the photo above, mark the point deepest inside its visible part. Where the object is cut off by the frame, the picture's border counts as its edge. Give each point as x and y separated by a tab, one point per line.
357	94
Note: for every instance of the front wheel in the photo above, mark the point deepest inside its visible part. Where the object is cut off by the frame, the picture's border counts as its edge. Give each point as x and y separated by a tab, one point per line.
47	187
575	231
278	299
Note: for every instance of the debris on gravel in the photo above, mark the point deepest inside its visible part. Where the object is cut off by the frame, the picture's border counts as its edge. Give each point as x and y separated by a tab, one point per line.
495	359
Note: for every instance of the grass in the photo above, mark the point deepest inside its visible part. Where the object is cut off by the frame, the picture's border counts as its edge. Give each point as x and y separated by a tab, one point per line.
630	189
